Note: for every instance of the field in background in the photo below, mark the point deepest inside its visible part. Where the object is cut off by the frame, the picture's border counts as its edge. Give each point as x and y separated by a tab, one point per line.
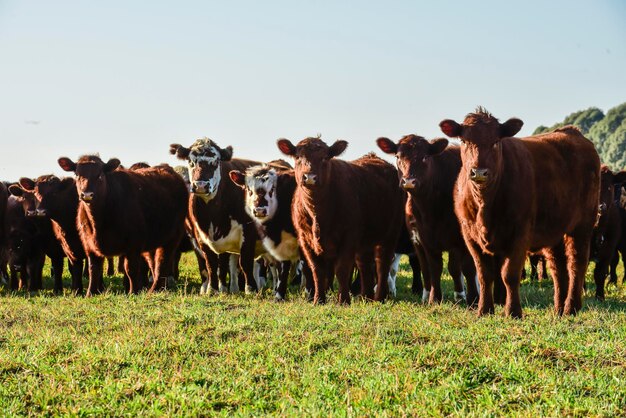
179	353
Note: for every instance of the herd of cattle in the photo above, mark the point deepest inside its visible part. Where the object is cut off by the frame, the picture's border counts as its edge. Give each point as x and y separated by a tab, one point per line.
488	203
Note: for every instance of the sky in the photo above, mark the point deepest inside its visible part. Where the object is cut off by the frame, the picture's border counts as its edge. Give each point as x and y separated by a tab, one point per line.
127	78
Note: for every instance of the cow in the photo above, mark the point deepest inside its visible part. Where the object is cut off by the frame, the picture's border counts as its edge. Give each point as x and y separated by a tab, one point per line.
128	213
345	212
514	195
4	196
428	170
217	211
620	201
56	199
269	190
44	235
607	233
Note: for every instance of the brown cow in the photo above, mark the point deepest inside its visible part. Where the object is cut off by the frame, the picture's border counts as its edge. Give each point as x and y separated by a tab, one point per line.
217	211
4	196
345	212
129	213
607	232
428	172
57	200
515	195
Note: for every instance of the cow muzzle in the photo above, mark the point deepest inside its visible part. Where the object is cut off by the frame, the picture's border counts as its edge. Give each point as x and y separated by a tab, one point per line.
260	212
31	213
199	187
86	196
42	213
408	183
309	179
479	175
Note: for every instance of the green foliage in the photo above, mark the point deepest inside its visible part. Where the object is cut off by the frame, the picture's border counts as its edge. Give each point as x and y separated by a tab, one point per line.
607	132
181	354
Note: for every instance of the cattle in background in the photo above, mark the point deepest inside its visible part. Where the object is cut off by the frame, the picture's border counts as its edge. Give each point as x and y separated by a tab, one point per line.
514	195
345	212
607	233
43	234
4	196
269	190
428	172
128	213
57	200
620	201
217	210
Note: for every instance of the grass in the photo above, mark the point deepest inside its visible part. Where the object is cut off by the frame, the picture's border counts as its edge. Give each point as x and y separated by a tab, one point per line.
179	353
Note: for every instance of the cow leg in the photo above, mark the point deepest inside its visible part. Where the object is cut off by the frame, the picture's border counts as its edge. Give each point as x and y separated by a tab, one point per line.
76	271
110	266
613	267
95	265
416	285
577	251
57	272
435	267
231	265
499	289
511	273
469	271
14	279
454	268
35	272
283	278
319	271
343	271
246	262
486	271
132	266
162	265
557	264
309	282
365	264
393	274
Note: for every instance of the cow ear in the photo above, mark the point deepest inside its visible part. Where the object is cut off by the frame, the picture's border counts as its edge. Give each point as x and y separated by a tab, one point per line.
179	151
226	153
238	178
451	128
111	165
67	164
619	177
16	190
27	184
510	127
437	146
286	147
387	145
337	148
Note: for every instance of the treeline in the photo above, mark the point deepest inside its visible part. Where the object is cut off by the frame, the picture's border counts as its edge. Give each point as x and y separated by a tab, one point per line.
607	131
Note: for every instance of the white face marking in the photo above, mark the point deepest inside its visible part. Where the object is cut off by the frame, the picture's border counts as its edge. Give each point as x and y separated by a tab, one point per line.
210	155
287	250
267	183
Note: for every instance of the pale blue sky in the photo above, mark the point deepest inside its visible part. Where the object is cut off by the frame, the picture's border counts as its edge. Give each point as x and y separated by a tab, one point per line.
127	78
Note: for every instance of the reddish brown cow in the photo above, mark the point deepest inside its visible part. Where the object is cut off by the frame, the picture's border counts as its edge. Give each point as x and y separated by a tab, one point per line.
4	196
428	172
57	200
129	213
514	195
607	232
217	211
345	212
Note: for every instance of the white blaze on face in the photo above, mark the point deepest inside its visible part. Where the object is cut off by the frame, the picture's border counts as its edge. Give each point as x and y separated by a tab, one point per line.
203	156
264	181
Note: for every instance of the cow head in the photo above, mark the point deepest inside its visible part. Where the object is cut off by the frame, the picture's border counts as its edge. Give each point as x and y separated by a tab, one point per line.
24	194
608	183
259	184
91	175
204	159
413	157
480	136
49	194
312	156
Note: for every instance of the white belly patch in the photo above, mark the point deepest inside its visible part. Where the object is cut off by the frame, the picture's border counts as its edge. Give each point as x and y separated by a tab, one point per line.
287	250
231	243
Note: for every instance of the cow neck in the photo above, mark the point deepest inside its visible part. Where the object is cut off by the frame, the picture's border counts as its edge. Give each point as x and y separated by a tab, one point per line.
66	217
281	221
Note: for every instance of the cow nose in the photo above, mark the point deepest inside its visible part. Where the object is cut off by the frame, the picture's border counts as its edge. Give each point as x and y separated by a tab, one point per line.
479	175
407	183
198	186
260	212
42	212
31	213
309	179
86	196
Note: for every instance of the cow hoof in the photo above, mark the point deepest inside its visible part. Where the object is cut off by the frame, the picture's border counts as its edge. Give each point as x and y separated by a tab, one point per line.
204	287
425	295
223	289
459	297
249	290
278	297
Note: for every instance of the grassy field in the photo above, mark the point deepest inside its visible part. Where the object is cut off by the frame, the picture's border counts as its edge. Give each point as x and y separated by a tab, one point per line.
179	353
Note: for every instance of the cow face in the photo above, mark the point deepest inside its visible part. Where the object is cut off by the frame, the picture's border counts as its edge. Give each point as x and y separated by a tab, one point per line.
413	158
480	136
609	183
48	191
204	159
311	159
26	197
259	184
91	172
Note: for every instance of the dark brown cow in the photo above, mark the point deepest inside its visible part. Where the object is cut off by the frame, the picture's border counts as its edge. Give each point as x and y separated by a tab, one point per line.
514	195
4	196
57	200
129	213
269	190
620	201
45	236
428	172
217	211
345	212
607	232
